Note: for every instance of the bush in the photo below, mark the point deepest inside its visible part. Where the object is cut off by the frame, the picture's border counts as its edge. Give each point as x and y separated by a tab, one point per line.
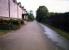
10	24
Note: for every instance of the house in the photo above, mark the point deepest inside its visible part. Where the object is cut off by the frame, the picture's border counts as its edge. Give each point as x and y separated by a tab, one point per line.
11	9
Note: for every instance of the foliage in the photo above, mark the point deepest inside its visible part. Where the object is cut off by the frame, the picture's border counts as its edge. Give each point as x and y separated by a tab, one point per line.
30	16
58	20
10	24
42	14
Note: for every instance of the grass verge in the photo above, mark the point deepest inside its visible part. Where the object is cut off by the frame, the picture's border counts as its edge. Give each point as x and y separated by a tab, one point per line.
61	32
3	32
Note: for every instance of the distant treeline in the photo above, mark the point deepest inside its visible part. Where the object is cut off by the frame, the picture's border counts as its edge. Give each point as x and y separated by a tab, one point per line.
58	20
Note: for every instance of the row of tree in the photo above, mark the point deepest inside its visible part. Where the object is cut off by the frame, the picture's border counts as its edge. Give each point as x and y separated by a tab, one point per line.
58	20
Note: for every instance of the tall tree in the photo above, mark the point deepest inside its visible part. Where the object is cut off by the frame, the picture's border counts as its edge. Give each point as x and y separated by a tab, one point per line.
41	13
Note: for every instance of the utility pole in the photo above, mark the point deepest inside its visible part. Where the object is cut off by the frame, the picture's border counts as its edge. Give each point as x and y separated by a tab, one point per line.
9	7
9	13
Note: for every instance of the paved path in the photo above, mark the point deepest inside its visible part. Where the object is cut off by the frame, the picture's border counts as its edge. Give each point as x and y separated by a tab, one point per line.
28	37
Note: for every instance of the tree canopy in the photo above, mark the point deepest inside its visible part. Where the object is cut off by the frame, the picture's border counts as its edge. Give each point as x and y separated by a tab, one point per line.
41	13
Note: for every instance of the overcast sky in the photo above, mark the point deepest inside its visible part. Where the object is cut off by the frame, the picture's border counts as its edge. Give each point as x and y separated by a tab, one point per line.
52	5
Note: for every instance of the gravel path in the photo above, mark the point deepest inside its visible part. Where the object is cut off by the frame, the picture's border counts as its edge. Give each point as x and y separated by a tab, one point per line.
28	37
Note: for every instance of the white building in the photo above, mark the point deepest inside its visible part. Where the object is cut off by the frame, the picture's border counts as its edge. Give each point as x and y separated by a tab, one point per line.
11	9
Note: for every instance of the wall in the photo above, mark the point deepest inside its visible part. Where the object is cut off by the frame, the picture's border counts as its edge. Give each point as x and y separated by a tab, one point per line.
19	12
15	10
4	8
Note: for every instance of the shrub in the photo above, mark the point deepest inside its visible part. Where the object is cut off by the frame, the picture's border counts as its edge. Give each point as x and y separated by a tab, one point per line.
10	24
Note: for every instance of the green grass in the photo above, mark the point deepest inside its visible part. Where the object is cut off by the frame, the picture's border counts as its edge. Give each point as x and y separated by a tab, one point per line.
61	32
3	32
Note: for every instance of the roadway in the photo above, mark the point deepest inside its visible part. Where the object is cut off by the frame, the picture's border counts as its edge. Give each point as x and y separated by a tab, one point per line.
28	37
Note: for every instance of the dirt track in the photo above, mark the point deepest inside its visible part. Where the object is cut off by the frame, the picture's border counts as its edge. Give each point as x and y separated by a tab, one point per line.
28	37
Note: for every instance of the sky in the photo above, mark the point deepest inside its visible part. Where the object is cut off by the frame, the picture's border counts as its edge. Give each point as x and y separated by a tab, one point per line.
52	5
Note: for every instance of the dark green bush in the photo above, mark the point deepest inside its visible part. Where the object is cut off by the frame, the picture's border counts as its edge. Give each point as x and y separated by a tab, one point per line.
10	24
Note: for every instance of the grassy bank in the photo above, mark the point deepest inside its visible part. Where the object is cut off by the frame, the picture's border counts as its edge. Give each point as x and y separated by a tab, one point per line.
61	32
3	32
